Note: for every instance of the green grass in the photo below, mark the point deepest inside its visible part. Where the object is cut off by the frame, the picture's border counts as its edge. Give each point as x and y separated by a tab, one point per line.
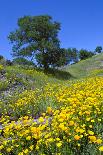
36	77
29	92
3	85
86	67
18	79
32	78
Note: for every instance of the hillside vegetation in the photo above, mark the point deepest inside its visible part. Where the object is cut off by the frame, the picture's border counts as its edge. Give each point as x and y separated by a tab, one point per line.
86	67
59	113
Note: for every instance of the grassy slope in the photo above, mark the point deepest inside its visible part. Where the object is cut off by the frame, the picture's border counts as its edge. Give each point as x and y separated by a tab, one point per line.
31	77
35	79
86	67
18	78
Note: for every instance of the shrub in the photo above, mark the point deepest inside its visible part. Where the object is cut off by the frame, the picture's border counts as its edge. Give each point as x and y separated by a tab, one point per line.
9	62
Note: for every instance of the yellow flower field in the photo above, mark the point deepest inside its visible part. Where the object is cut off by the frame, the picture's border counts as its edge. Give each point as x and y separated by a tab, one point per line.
69	120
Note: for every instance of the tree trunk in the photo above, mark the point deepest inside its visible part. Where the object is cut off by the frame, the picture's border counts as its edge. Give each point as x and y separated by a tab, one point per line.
45	62
46	67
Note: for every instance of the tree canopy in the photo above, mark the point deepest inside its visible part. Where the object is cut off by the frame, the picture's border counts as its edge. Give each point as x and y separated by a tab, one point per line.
37	37
71	55
84	54
98	49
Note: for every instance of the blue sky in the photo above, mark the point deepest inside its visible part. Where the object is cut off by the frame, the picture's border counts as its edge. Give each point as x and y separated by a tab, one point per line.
81	20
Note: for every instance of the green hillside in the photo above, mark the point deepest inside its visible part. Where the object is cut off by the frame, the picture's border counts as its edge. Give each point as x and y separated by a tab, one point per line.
57	113
86	67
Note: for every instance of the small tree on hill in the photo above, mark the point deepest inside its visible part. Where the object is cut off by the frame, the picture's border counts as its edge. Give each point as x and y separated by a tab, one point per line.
71	55
84	54
2	60
98	49
74	55
37	37
1	57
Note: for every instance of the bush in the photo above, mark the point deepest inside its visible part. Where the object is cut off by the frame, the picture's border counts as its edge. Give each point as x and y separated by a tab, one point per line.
22	61
1	57
9	62
1	68
84	54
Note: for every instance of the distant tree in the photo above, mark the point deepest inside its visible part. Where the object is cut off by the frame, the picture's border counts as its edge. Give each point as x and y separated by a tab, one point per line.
68	55
84	54
2	60
9	63
98	49
1	57
72	55
37	37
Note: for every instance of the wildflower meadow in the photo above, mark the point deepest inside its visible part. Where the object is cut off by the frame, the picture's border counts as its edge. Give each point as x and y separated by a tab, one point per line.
57	119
